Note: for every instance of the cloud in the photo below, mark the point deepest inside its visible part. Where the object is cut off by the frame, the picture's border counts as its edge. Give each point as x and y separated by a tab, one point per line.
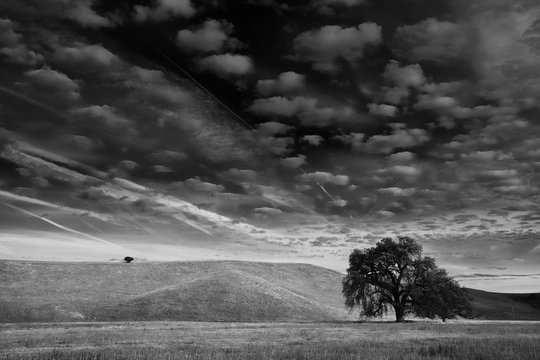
212	36
345	2
306	109
382	110
403	170
406	76
427	102
324	178
50	83
325	46
431	39
268	211
163	10
398	192
354	140
286	83
166	157
497	174
197	184
81	12
293	162
272	128
226	65
282	106
404	156
400	138
338	203
385	214
13	49
240	175
480	156
102	115
84	58
313	140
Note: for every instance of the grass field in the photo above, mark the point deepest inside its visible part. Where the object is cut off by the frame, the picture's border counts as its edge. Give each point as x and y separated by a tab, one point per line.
313	341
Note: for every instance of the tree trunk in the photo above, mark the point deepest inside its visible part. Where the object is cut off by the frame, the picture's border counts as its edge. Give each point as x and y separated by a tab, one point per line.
400	313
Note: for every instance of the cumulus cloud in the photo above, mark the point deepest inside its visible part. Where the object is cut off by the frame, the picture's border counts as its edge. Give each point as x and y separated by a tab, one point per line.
338	203
306	109
403	171
396	191
285	83
354	140
385	214
163	10
382	110
103	115
427	102
239	175
51	83
268	211
313	140
153	88
212	36
294	161
400	157
81	11
480	156
497	174
12	47
197	184
325	178
272	128
345	2
404	76
431	39
225	65
166	157
84	58
282	106
400	138
325	46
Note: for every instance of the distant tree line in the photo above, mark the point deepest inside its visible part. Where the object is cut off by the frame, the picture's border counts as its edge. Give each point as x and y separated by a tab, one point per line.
395	274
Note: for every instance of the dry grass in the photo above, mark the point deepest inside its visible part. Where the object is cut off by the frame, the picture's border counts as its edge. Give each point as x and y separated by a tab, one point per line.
196	340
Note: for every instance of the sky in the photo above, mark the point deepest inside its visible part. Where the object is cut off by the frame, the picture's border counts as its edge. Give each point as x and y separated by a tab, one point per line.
273	131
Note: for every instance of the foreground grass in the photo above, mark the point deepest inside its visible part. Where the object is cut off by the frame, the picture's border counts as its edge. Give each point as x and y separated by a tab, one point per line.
313	341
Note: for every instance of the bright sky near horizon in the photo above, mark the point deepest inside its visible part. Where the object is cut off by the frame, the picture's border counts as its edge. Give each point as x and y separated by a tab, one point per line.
273	131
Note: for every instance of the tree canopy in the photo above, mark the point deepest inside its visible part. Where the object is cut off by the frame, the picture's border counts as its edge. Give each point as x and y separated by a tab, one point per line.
394	273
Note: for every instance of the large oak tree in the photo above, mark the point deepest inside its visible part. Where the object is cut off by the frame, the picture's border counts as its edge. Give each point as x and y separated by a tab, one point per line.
394	273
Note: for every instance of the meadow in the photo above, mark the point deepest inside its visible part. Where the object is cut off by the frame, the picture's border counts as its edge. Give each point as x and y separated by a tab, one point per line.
467	340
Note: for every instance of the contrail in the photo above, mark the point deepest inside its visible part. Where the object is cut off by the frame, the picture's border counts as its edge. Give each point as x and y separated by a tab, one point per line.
29	100
192	224
62	227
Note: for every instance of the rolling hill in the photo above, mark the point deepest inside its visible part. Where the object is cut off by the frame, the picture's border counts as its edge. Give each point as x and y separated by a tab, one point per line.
33	291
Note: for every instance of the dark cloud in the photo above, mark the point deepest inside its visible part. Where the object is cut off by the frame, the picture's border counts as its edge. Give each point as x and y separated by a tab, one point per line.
432	39
212	36
162	10
325	46
226	65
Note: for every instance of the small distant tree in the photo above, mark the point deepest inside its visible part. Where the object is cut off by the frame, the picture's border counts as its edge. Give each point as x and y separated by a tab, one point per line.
128	259
394	273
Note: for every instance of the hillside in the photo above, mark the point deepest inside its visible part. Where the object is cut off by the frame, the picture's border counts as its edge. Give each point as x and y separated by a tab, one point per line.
203	291
500	306
198	291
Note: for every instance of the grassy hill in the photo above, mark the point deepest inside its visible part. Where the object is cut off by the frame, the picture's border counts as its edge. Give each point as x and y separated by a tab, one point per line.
205	291
200	291
500	306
